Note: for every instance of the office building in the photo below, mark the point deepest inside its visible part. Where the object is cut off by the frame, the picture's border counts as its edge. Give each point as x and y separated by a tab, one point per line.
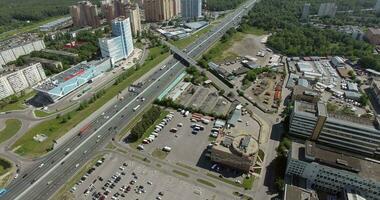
62	84
373	36
236	151
120	45
158	10
327	10
359	136
191	9
305	12
337	175
292	192
15	82
377	7
133	12
84	13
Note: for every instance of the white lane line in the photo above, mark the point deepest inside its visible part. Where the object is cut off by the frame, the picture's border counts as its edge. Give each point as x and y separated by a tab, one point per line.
121	110
92	135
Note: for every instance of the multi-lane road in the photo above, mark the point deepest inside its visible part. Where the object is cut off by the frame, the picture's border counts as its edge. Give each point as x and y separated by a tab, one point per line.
59	165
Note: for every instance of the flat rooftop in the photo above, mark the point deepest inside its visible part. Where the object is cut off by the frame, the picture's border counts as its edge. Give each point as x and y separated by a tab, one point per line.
311	152
296	193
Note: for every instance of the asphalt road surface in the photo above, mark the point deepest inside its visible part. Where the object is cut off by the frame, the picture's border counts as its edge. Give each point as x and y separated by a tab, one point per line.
59	165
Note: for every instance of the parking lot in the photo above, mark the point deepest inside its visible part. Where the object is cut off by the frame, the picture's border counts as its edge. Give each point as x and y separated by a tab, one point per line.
119	178
186	146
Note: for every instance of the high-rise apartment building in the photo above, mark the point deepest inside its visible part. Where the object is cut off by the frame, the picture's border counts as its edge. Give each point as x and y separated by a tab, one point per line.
120	46
158	10
133	12
112	9
377	6
84	14
191	9
305	12
177	7
327	10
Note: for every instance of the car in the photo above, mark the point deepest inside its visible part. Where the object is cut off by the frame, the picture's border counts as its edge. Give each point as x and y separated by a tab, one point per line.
161	193
77	165
128	188
41	165
16	175
149	183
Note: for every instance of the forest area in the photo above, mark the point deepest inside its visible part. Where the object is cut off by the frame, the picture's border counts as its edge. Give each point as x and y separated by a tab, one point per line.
292	38
17	13
221	5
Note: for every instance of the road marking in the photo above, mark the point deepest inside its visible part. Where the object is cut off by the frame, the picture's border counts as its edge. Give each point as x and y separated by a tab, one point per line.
93	134
121	110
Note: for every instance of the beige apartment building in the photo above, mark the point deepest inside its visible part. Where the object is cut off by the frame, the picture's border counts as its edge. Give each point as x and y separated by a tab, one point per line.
84	13
158	10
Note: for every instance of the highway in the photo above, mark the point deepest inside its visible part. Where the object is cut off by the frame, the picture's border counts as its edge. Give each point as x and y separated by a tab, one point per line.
59	165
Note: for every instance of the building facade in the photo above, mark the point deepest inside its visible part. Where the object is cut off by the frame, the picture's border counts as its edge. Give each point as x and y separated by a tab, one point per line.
12	53
373	36
327	10
120	46
133	12
239	152
191	9
84	14
377	7
305	11
20	80
332	180
158	10
353	134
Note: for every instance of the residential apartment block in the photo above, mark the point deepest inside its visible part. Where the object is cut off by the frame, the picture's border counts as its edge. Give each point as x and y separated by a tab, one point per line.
327	10
15	82
158	10
191	9
84	13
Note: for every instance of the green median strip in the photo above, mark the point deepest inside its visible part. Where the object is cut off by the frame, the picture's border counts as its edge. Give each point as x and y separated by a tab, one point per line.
11	128
158	153
180	173
40	113
205	182
186	166
54	128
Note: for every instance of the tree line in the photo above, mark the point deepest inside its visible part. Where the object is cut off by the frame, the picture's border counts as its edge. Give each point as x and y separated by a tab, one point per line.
147	120
292	38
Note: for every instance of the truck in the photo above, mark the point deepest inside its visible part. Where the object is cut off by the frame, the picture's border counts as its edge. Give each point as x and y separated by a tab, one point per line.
137	107
84	129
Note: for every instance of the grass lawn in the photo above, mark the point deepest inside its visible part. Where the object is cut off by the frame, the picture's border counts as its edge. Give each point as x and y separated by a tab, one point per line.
158	153
27	28
248	183
64	193
255	31
206	182
5	166
54	128
180	173
11	128
40	113
219	51
150	129
186	166
182	43
19	105
224	180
